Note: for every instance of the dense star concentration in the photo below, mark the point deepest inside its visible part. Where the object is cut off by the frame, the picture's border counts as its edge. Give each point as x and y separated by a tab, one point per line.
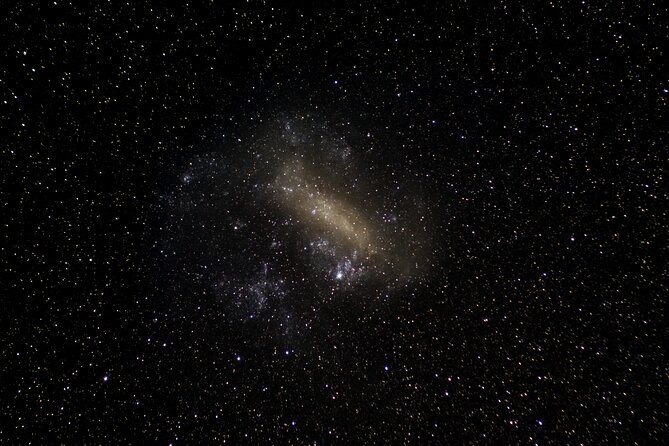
290	223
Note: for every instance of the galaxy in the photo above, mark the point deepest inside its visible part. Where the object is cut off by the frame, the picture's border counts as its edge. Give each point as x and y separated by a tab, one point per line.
308	224
312	230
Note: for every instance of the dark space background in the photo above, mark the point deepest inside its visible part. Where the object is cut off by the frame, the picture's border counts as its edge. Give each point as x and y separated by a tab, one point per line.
533	138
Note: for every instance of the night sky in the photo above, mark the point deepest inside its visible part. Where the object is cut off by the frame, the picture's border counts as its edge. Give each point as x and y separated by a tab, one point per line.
248	223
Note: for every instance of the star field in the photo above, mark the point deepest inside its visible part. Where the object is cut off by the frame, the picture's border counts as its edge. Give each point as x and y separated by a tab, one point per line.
288	223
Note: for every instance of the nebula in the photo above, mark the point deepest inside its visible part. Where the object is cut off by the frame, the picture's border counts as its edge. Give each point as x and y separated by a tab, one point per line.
319	209
361	228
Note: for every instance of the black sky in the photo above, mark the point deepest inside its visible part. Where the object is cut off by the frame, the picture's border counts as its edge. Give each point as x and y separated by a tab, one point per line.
158	287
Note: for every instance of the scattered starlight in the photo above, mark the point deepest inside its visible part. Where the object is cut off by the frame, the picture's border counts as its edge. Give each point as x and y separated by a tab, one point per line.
373	223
